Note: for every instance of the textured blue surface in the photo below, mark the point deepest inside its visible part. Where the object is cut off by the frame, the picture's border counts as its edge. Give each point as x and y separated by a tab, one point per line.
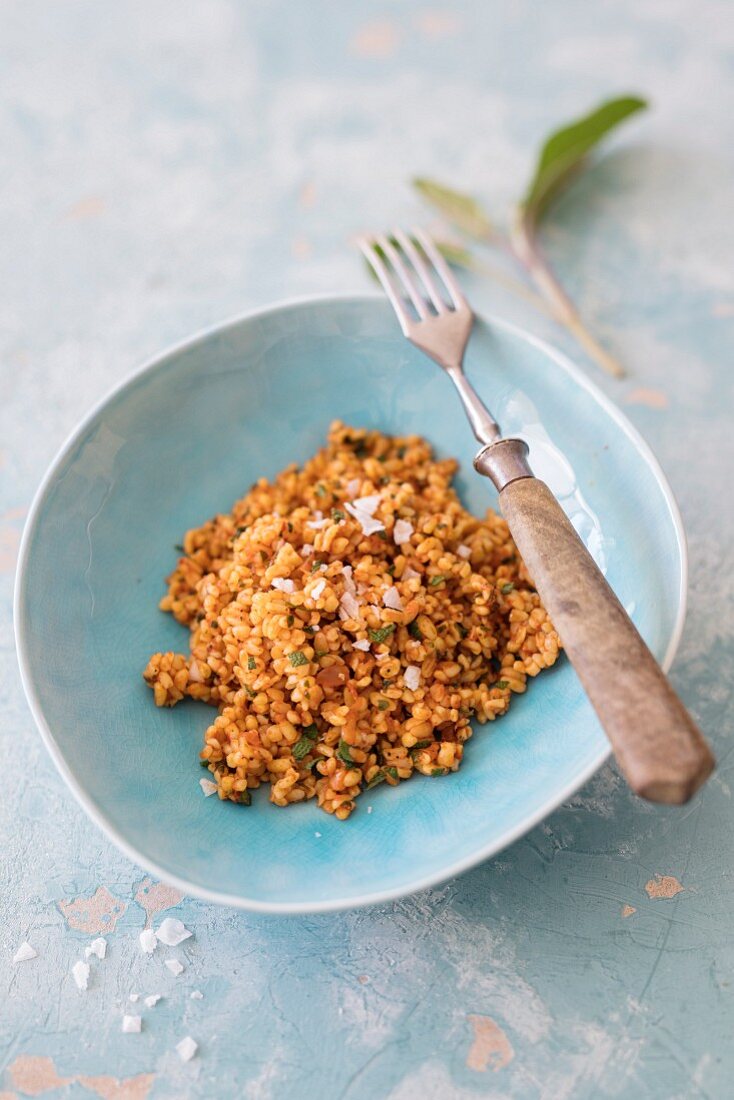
182	441
167	165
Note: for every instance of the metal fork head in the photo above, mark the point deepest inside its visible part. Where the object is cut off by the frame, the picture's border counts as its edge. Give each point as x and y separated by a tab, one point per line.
428	302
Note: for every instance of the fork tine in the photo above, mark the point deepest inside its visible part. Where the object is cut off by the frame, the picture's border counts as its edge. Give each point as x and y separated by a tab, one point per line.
368	248
442	268
422	268
409	284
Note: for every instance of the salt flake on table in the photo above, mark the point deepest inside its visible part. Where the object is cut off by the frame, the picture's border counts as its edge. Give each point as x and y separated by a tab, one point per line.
131	1025
362	644
24	953
368	504
283	584
97	947
187	1048
402	531
172	932
196	995
463	551
208	787
80	974
148	941
317	834
318	588
412	677
153	999
369	809
174	966
392	599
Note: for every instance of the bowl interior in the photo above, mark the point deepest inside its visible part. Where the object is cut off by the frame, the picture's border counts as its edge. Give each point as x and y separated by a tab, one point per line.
182	440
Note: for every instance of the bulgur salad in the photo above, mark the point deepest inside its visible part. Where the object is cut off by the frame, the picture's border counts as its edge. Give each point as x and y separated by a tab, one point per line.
348	620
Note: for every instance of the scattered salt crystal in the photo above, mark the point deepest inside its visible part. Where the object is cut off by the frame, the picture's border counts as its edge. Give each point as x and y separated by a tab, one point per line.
195	674
381	656
24	953
463	551
187	1048
412	677
283	584
208	787
172	932
307	549
134	997
362	644
97	947
80	974
318	588
361	588
402	531
317	834
319	522
369	809
352	487
148	941
174	966
348	579
153	999
410	574
196	995
392	599
348	606
131	1025
368	504
369	525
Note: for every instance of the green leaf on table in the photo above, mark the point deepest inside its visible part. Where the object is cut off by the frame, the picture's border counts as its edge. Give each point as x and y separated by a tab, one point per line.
564	151
460	209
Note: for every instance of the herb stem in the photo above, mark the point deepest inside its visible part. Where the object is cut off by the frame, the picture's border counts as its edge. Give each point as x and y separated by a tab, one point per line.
526	249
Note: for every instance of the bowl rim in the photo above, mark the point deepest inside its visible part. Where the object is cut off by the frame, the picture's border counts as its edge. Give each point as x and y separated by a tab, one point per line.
510	835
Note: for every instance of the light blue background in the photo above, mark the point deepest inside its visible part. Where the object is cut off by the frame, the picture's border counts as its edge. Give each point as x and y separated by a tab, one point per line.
168	165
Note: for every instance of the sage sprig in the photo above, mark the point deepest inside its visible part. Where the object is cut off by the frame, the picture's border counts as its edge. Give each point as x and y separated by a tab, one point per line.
561	157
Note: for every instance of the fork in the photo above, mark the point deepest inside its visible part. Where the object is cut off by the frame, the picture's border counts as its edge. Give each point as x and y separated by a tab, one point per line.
658	747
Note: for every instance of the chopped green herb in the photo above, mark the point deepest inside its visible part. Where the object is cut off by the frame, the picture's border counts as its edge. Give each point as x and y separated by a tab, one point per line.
502	684
438	579
250	692
322	652
245	798
251	663
204	763
383	704
378	777
421	745
180	548
415	631
392	772
241	528
462	630
391	569
439	771
297	658
302	747
316	565
507	588
381	633
382	458
337	515
320	491
310	629
343	753
401	452
215	624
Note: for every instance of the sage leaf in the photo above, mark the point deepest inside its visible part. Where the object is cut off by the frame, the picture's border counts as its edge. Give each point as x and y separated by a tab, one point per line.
462	210
564	151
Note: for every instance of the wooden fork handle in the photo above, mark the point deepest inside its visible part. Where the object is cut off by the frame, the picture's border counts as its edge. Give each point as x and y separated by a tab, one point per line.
660	750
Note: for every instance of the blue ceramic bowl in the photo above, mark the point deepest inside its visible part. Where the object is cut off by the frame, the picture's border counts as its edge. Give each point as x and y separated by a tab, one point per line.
182	439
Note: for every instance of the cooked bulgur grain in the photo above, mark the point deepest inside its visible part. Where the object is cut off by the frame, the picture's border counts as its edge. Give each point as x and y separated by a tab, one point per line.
347	621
